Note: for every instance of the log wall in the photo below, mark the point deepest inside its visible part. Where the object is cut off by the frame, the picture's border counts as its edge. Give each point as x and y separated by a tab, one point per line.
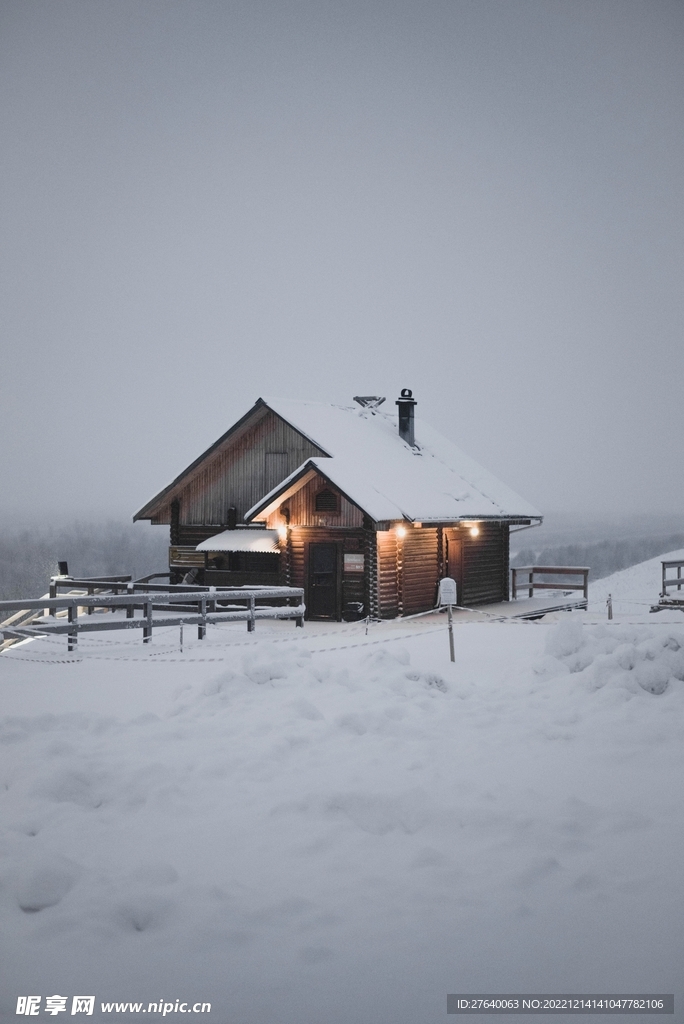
409	570
388	588
485	565
420	570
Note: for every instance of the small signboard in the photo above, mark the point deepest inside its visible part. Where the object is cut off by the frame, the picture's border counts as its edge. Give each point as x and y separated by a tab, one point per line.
353	562
447	591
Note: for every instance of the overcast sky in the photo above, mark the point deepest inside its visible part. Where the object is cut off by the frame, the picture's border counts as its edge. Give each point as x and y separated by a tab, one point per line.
205	202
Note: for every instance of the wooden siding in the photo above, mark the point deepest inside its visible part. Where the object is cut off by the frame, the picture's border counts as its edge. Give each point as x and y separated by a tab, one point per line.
485	565
506	531
420	570
409	570
388	591
221	578
370	576
194	535
302	506
239	473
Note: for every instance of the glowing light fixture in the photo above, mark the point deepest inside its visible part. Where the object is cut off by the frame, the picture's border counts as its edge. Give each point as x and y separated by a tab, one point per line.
401	531
282	532
474	530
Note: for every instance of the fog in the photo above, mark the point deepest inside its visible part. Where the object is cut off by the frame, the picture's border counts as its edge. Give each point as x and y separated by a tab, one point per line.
204	203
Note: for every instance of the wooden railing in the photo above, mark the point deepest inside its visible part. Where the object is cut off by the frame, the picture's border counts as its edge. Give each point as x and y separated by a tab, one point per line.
672	581
90	585
196	605
523	578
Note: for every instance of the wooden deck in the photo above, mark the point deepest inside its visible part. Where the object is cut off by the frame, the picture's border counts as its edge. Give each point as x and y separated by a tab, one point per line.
520	609
525	607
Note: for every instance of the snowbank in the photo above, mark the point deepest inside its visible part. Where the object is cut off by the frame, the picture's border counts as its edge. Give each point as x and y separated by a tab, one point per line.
627	657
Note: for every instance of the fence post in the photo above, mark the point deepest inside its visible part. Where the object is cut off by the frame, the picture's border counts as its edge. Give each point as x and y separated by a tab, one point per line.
147	628
202	625
530	592
129	607
72	636
251	619
53	593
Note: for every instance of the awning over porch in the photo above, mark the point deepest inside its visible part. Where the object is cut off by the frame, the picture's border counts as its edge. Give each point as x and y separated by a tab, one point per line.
241	540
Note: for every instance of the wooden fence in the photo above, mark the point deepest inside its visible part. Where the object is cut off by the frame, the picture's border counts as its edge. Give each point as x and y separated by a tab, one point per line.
523	578
195	605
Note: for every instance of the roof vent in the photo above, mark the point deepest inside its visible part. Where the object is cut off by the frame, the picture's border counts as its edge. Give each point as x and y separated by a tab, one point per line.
369	401
406	402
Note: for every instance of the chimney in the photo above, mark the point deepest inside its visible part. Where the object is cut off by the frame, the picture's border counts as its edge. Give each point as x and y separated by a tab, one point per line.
406	403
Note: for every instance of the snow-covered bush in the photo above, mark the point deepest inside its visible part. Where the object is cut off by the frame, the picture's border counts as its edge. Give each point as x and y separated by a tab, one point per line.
631	657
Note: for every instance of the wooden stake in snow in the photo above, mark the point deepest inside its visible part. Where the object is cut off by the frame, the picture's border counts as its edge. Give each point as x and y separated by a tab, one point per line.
609	602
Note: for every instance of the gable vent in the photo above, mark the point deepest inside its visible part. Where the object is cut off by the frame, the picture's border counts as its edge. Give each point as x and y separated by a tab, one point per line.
326	501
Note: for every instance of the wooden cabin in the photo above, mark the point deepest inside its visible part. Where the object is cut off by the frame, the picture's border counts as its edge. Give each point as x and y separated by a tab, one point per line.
364	509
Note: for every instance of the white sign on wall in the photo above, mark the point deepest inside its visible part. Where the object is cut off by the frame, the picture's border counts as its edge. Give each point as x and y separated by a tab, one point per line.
447	591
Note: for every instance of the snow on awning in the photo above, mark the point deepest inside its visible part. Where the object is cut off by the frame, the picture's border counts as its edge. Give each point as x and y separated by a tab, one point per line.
241	540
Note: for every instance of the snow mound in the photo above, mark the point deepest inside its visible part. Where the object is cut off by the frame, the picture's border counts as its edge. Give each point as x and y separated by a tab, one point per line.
630	657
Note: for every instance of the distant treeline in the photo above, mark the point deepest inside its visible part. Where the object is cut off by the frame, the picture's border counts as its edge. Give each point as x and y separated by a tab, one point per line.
604	557
29	557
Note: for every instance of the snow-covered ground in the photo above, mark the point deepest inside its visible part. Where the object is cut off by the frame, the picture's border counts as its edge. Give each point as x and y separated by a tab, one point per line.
323	825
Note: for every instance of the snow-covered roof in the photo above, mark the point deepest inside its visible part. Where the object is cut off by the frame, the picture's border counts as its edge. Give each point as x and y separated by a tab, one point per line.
384	476
241	540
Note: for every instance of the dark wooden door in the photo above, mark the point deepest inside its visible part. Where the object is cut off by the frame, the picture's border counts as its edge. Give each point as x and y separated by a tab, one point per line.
322	581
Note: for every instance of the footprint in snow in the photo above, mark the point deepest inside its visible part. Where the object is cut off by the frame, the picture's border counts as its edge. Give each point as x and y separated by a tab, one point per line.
45	884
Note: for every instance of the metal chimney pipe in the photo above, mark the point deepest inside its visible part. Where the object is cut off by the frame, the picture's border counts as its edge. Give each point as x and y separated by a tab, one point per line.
406	426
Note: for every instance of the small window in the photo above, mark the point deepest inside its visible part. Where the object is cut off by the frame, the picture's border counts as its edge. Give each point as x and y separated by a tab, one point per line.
326	501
